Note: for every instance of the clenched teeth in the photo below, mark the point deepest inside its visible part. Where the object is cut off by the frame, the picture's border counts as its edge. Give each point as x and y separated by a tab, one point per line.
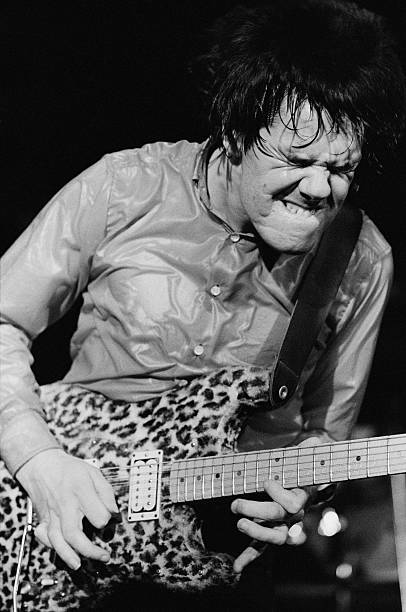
298	210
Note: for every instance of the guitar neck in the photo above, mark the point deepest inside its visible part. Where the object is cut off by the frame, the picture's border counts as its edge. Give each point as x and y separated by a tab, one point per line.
243	473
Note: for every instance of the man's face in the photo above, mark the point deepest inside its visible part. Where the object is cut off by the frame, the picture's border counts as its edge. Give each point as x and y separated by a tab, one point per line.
291	192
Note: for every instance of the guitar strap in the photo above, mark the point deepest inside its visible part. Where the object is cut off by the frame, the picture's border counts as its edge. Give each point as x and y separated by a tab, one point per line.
314	298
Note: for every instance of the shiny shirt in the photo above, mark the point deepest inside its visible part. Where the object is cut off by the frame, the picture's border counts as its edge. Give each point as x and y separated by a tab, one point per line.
170	292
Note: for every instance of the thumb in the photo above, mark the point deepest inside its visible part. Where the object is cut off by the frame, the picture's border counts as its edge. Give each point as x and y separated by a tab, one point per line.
41	534
312	441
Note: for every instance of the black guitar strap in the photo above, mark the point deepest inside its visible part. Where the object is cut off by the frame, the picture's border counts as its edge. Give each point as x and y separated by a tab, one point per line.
314	298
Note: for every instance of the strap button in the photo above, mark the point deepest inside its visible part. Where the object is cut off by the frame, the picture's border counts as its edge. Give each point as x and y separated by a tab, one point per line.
283	392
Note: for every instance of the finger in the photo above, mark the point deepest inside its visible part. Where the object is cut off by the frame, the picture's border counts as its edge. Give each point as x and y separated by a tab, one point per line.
292	500
104	491
62	548
75	538
41	533
312	441
277	534
268	511
247	556
93	507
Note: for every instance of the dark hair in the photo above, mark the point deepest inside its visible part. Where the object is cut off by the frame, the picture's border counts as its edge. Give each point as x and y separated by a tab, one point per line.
333	54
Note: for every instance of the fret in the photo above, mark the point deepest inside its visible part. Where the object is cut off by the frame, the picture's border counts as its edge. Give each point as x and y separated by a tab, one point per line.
276	465
368	460
305	466
331	463
218	475
227	476
238	474
207	486
397	455
174	481
248	475
339	462
321	464
289	469
191	483
387	457
357	459
262	470
180	481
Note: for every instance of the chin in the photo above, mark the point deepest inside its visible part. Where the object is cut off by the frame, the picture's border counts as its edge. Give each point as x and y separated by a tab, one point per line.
285	244
290	235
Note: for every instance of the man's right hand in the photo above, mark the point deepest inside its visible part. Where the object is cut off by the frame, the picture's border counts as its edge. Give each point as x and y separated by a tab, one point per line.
63	491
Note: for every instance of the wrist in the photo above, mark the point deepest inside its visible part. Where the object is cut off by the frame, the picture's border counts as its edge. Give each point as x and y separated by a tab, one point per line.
25	436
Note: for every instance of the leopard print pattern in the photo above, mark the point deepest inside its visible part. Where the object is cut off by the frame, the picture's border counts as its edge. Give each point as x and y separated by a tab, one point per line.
197	418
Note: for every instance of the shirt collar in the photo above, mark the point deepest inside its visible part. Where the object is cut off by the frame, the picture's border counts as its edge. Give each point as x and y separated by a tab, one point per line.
200	182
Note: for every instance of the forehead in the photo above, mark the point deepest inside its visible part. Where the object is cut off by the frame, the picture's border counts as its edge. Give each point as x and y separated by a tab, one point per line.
305	135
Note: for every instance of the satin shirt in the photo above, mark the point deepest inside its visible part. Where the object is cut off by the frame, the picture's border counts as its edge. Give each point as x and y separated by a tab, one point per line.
171	291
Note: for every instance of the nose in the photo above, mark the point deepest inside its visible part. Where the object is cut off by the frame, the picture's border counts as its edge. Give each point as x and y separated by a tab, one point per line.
315	185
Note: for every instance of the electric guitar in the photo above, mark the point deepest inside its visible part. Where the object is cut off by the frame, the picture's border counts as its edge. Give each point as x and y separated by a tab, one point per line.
162	461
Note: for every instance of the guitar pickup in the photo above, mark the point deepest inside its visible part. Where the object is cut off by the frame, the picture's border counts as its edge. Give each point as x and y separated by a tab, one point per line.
145	485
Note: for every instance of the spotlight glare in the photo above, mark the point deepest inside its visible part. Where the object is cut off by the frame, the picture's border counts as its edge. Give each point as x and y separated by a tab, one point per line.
344	571
330	523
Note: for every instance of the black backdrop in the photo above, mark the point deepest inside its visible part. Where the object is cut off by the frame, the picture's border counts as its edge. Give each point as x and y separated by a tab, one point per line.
83	78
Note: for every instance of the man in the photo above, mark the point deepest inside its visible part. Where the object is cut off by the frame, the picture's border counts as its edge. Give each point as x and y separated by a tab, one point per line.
189	256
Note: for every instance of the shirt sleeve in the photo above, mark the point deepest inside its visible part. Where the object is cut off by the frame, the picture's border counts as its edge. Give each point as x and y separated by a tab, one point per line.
333	394
41	276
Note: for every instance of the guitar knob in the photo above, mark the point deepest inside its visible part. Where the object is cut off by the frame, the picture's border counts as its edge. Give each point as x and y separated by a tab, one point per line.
25	588
47	581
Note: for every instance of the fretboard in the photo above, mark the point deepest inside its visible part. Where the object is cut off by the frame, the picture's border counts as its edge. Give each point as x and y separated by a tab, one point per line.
243	473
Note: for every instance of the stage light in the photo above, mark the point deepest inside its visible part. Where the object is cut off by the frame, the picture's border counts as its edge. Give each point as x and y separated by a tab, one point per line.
330	523
344	571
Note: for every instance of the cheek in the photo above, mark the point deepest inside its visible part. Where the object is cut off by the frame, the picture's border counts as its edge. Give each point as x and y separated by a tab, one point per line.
253	197
339	188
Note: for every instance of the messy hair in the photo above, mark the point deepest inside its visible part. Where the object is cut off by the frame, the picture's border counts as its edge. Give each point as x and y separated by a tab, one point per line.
335	56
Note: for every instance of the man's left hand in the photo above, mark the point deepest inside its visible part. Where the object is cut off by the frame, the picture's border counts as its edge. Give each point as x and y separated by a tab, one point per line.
269	522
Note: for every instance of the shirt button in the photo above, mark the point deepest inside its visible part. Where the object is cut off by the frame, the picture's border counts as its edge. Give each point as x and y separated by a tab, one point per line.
215	290
234	237
198	350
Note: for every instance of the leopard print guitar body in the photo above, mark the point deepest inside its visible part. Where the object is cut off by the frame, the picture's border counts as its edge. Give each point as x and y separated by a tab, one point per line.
196	419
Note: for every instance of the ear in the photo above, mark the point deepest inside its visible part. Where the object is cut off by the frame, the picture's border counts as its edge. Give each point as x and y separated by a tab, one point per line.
233	148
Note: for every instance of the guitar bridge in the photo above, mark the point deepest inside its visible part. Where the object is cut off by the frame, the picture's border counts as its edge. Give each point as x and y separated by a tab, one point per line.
145	486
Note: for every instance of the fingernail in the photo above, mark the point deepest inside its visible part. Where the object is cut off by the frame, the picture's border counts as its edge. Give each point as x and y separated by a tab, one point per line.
76	566
105	558
242	524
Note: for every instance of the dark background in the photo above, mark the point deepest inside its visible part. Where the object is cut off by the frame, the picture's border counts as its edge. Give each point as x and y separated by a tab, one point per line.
84	78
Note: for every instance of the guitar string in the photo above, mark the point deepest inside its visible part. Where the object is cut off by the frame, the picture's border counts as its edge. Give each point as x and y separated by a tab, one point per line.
199	464
304	460
231	481
287	454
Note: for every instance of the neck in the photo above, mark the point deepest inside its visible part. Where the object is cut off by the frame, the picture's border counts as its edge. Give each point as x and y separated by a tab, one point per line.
243	473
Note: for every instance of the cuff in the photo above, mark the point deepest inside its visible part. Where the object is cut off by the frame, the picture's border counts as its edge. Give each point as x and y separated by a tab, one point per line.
26	435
